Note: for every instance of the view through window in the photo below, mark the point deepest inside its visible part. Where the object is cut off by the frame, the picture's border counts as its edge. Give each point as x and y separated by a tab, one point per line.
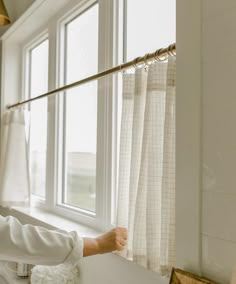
38	84
150	25
80	105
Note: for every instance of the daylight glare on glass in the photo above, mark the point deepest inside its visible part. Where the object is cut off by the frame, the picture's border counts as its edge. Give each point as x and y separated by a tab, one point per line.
38	84
81	111
151	24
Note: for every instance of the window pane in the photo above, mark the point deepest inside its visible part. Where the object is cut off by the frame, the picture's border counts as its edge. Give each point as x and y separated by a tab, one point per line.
38	118
151	24
81	111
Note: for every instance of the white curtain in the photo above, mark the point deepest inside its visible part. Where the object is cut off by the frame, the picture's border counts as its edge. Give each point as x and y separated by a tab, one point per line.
14	169
146	190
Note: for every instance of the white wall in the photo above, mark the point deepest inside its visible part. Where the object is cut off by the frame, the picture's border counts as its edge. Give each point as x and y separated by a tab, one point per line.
206	116
218	139
188	135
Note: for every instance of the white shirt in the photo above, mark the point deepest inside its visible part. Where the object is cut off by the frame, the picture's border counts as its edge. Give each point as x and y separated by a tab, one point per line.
36	245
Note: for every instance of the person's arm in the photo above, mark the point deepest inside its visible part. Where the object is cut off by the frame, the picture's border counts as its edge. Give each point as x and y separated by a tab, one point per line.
37	245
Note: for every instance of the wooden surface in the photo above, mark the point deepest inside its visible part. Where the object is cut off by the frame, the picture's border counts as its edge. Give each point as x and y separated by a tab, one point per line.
179	276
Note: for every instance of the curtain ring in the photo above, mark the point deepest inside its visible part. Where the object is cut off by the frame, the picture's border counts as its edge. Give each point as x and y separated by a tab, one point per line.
157	55
124	71
174	49
173	46
135	62
170	50
146	65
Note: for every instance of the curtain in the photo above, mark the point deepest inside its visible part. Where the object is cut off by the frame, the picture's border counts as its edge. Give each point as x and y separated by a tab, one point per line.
14	169
146	185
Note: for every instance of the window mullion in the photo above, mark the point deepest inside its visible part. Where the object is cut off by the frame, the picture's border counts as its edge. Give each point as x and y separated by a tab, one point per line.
59	167
50	168
104	128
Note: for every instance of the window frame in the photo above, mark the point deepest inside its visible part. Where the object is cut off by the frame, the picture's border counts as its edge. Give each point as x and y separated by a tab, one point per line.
106	117
36	201
26	53
111	51
61	118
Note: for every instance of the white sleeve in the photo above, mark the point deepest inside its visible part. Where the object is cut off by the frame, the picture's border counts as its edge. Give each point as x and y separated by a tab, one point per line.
37	245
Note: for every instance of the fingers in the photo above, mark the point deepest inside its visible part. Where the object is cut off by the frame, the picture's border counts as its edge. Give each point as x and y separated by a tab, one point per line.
124	234
121	238
120	233
123	242
119	247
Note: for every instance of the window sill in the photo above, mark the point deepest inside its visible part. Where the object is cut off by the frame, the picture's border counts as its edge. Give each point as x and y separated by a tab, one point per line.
42	217
52	221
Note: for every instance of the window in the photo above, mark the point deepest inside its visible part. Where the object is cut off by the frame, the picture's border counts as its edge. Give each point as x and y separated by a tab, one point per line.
38	84
54	12
80	112
74	169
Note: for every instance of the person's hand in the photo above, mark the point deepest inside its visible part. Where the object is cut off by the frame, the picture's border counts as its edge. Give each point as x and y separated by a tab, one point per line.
115	239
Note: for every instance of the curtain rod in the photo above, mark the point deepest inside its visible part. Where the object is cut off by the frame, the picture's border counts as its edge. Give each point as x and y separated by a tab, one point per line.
158	55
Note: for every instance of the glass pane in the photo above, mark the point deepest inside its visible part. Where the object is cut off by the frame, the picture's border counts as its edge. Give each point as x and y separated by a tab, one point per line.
151	25
81	111
38	118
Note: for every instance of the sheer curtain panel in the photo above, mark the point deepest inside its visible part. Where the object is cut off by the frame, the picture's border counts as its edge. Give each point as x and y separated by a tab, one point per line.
146	189
14	170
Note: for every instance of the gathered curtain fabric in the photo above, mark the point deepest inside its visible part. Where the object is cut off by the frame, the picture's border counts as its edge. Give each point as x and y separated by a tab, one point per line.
146	184
14	165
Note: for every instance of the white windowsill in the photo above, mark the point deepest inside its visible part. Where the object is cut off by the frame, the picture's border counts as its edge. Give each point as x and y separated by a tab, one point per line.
54	221
42	217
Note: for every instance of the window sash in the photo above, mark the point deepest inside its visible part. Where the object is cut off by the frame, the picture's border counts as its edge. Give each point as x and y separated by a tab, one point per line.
106	118
65	172
102	218
27	55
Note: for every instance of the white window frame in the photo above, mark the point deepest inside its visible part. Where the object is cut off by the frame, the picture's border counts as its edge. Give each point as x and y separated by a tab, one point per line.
61	118
106	119
36	201
26	55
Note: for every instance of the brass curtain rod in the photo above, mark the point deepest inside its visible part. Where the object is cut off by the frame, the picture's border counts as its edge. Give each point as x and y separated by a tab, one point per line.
158	55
